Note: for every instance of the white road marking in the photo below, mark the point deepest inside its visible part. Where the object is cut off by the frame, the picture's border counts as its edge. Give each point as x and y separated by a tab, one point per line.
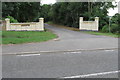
72	52
58	51
109	50
75	52
94	74
56	39
29	55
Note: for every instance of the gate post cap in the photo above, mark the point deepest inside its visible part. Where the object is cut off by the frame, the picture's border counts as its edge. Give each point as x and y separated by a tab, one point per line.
96	17
41	18
7	19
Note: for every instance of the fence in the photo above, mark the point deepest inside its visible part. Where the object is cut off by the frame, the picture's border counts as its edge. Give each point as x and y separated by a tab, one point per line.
89	25
32	26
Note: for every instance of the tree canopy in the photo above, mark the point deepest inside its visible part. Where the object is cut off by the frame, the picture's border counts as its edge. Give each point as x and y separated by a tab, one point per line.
22	11
65	13
68	13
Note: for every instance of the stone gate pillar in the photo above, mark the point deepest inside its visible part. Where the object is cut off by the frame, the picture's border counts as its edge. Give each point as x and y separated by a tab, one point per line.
7	24
97	23
41	20
80	21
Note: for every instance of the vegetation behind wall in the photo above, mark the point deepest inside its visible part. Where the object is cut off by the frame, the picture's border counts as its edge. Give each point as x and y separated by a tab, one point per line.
65	13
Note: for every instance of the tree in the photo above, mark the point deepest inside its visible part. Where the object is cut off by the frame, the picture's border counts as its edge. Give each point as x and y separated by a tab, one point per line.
68	13
46	12
22	11
115	28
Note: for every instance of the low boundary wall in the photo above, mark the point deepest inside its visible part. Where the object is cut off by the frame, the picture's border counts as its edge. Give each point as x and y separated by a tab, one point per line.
32	26
89	25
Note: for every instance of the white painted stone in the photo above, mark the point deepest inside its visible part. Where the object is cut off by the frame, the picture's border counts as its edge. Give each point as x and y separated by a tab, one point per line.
33	26
89	25
7	24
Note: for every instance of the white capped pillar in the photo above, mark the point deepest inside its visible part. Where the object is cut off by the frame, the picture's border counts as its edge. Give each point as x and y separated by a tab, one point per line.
80	22
41	20
7	24
97	23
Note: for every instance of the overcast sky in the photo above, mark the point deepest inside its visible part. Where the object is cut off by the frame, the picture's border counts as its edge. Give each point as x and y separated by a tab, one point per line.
111	11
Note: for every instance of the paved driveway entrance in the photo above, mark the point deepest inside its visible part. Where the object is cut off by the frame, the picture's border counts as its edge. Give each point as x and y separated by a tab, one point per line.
68	40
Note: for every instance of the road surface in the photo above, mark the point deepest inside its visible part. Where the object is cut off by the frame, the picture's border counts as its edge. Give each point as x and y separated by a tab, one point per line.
68	40
73	55
62	65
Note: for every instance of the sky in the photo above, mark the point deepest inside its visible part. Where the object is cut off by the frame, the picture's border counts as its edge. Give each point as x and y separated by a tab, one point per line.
48	1
111	11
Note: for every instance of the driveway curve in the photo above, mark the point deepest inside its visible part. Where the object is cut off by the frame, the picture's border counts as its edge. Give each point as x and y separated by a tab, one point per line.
68	40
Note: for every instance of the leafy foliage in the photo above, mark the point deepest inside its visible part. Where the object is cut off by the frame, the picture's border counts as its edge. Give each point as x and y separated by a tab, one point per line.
105	28
114	25
46	12
22	11
12	20
68	13
114	28
65	13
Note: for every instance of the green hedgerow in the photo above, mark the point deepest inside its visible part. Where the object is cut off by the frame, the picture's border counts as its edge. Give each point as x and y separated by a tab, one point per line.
12	20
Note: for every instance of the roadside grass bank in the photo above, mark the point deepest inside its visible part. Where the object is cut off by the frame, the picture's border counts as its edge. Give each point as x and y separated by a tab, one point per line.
88	32
0	37
101	33
17	37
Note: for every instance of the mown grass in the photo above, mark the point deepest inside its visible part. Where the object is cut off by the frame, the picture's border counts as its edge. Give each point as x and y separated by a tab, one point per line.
17	37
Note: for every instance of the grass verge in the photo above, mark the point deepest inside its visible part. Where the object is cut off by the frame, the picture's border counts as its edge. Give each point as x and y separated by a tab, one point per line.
88	32
101	33
17	37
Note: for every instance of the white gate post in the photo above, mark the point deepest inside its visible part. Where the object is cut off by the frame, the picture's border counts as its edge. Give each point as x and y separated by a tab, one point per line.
7	24
80	22
97	23
41	20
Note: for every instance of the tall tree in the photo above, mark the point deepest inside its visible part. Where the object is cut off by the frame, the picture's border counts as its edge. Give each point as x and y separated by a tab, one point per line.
22	11
68	13
45	12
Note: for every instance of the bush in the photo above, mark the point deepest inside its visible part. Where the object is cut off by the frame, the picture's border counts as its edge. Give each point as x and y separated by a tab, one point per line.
105	28
12	20
115	28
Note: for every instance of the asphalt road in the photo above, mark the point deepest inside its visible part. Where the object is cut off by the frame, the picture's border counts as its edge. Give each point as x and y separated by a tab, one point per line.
68	40
93	56
100	63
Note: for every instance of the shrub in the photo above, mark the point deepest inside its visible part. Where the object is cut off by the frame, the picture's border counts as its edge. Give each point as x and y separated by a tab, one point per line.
105	28
115	28
12	20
